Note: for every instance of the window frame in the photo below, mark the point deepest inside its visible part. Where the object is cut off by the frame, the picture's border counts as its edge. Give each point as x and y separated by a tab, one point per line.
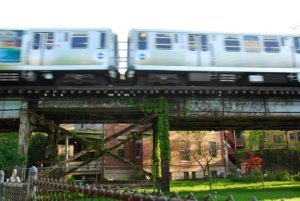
248	49
232	38
278	139
80	35
270	39
204	47
50	41
102	38
213	152
163	46
142	40
35	45
192	44
296	49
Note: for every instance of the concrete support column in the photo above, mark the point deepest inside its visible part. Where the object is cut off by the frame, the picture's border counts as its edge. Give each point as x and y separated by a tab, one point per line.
25	130
53	139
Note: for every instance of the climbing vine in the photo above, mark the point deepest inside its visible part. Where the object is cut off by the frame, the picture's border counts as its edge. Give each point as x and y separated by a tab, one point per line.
161	154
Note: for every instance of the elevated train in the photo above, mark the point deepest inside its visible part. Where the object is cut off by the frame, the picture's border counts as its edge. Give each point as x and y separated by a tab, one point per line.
58	56
179	57
155	57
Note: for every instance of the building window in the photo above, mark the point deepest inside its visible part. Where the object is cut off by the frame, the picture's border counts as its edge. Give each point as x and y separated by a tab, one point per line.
298	135
184	152
193	175
102	39
79	40
278	138
185	175
49	41
271	44
251	44
214	174
292	136
121	150
199	148
138	147
142	41
163	41
212	149
297	45
232	44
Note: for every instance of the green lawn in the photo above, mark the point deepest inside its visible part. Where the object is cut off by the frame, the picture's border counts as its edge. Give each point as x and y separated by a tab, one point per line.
274	190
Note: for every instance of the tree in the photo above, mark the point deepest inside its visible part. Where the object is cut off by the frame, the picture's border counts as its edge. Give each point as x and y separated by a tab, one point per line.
251	162
37	149
194	145
9	156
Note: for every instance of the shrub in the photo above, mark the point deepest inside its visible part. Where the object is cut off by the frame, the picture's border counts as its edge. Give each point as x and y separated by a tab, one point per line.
278	176
296	177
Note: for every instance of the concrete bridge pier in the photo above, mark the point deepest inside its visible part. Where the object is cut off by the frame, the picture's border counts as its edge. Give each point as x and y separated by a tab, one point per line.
25	129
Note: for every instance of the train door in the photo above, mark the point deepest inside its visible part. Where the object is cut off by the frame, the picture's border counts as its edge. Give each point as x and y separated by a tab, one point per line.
41	48
198	46
203	50
296	54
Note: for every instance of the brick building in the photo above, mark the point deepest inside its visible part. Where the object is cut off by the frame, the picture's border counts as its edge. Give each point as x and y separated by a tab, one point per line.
135	155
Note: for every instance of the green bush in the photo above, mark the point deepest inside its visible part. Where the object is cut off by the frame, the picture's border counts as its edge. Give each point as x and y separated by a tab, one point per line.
296	177
278	176
245	178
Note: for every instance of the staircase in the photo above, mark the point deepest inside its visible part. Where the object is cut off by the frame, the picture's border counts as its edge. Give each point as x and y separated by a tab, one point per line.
234	143
58	168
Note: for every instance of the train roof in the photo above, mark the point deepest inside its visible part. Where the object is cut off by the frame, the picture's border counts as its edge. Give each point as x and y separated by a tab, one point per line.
211	32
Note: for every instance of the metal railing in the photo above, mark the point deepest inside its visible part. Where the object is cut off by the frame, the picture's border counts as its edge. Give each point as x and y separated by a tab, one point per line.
45	189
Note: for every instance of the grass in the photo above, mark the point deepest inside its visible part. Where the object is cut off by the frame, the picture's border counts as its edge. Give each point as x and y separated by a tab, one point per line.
274	190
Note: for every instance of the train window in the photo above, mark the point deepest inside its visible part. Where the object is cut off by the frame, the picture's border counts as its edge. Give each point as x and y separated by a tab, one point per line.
142	41
204	44
192	42
49	41
163	41
79	40
232	44
297	44
251	44
271	44
36	41
102	39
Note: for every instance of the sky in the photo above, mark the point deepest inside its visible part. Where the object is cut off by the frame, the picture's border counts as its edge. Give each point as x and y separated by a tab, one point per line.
254	16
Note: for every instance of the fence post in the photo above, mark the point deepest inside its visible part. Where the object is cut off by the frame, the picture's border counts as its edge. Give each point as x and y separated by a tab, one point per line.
31	189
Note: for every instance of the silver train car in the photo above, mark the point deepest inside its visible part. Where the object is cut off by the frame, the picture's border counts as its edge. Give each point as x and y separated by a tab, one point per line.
180	57
60	56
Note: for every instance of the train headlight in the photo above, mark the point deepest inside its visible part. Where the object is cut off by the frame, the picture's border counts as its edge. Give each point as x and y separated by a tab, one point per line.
142	56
